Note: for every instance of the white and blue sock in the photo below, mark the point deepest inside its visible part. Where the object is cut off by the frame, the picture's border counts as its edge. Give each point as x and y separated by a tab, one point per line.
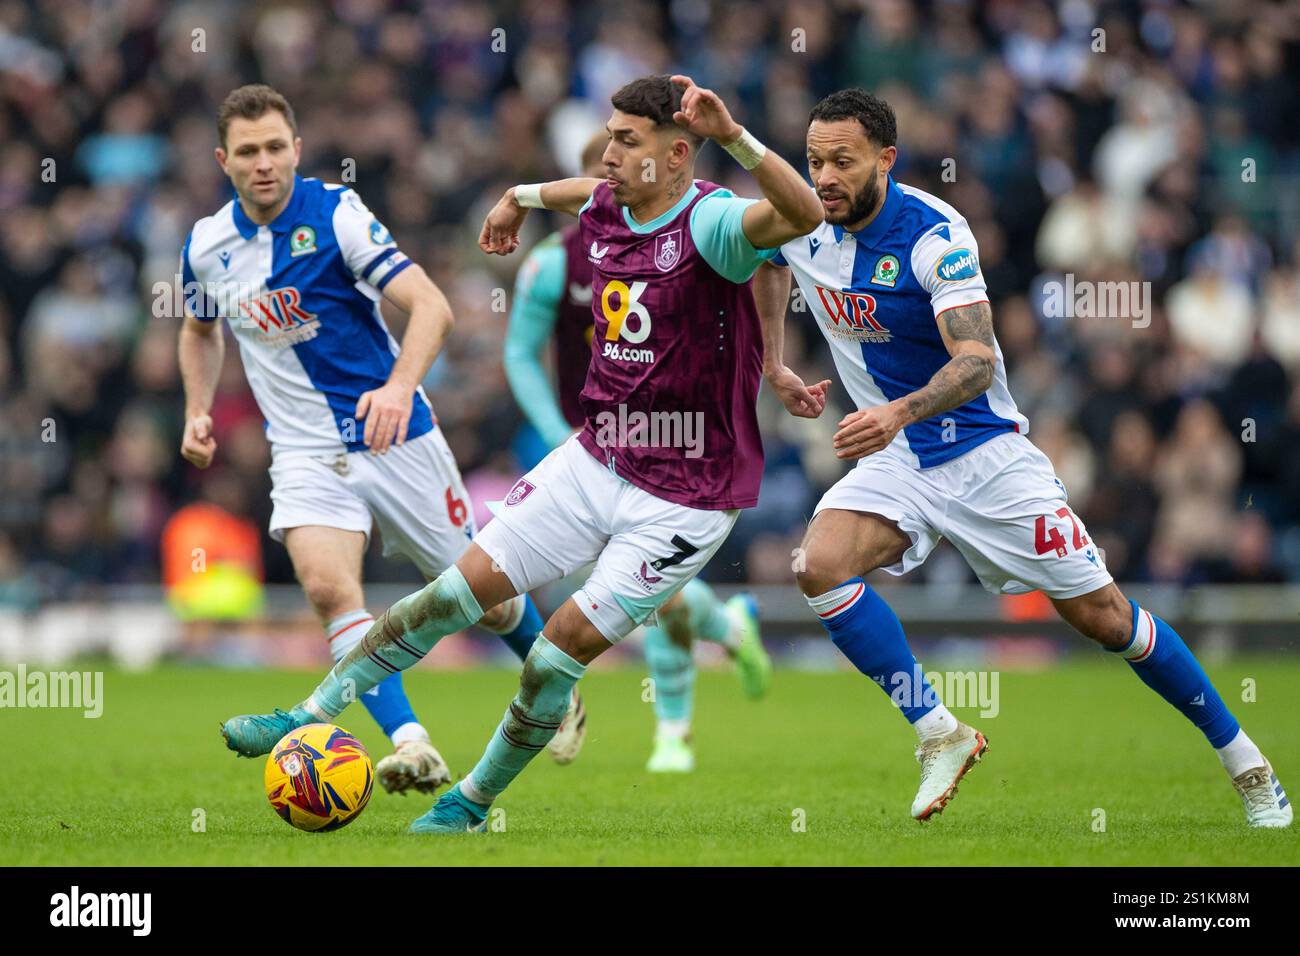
531	720
520	630
403	635
386	701
870	635
1163	662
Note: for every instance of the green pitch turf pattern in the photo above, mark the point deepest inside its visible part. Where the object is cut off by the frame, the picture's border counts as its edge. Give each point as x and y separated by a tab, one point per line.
826	748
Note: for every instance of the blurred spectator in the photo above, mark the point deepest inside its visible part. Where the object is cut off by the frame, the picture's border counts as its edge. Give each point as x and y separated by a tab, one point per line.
1212	314
1170	156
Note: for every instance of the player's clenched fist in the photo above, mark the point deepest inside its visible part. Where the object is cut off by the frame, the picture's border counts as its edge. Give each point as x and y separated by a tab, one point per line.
867	431
500	234
198	446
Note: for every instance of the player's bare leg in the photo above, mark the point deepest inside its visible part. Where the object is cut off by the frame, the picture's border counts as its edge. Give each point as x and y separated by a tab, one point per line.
838	549
327	562
569	642
1159	657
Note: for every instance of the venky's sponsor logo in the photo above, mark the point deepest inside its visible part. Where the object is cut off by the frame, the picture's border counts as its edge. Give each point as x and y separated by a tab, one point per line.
957	264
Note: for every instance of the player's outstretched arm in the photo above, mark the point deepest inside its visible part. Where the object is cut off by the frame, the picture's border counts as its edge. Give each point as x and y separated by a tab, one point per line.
200	351
967	332
789	208
387	409
500	232
771	293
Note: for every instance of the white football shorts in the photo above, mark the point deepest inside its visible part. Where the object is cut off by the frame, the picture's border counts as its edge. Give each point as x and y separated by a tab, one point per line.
413	493
571	510
1002	507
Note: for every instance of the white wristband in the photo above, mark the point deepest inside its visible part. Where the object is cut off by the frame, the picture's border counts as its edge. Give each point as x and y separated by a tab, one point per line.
529	196
747	150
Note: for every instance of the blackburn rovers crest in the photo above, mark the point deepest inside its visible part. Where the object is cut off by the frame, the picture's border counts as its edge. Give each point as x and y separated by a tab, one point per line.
302	241
668	249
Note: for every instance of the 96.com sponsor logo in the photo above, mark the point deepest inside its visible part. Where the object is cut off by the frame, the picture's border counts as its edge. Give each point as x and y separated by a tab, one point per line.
627	353
627	320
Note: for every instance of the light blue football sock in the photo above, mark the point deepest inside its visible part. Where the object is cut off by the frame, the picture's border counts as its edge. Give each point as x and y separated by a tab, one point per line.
519	635
545	685
708	615
1160	658
386	702
869	633
672	668
403	635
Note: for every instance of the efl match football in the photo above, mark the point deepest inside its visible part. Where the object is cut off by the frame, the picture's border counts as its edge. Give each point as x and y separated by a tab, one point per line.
775	436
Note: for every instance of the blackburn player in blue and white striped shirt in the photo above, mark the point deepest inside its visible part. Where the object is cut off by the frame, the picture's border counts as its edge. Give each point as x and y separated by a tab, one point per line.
297	268
892	278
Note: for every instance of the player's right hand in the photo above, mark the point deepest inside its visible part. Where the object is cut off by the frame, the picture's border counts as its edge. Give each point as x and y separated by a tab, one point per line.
198	446
500	233
800	400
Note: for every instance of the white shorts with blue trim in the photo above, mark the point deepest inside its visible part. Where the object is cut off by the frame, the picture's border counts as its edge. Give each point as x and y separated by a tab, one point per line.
413	493
1000	504
571	510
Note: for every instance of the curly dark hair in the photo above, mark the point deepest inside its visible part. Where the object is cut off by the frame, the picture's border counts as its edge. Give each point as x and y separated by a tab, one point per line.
875	115
656	98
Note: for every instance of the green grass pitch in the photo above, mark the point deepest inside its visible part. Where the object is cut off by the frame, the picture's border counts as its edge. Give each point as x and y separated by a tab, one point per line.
1068	742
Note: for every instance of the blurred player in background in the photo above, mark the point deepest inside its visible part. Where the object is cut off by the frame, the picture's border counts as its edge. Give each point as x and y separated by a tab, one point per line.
679	335
893	280
298	267
553	303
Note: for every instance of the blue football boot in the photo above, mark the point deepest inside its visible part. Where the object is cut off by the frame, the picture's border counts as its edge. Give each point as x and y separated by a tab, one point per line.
252	735
453	813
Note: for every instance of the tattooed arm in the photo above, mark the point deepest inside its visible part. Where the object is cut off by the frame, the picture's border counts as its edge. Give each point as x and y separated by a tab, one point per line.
967	332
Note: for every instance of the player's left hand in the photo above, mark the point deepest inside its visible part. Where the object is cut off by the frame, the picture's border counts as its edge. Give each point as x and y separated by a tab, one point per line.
867	431
800	400
387	411
704	113
500	233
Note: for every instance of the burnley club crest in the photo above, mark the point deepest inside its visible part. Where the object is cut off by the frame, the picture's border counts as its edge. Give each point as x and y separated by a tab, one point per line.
668	249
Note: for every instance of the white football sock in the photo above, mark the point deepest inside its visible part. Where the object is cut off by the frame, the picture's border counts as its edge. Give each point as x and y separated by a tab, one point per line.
1239	755
346	631
732	641
409	731
679	727
936	724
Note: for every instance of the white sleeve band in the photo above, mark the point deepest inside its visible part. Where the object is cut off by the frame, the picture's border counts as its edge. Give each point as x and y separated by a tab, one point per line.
747	150
529	196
